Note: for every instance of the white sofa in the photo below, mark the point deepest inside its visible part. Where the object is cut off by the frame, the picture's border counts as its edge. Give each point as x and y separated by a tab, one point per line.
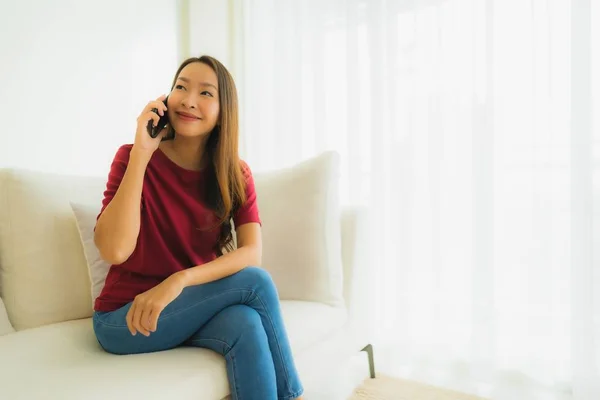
47	346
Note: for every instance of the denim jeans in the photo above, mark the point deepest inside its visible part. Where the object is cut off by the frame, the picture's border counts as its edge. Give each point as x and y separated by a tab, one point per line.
238	316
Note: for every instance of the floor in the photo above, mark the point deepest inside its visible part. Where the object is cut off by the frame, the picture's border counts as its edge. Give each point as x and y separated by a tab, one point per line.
389	388
351	382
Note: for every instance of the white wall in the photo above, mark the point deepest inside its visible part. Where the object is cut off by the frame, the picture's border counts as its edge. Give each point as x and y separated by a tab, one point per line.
74	75
212	28
209	29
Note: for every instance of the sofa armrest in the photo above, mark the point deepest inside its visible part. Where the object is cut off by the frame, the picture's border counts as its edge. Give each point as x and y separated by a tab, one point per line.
355	259
5	325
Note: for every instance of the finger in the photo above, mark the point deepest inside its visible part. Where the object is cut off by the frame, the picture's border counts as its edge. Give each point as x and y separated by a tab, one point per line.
129	319
148	116
152	116
159	108
137	317
136	320
153	324
159	105
145	319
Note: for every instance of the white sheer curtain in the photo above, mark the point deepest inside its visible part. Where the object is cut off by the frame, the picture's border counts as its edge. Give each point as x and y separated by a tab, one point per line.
469	129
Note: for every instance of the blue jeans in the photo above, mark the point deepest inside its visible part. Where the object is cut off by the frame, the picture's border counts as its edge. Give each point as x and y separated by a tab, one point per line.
238	316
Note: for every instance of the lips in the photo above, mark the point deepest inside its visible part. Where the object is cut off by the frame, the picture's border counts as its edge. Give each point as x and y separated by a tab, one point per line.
186	116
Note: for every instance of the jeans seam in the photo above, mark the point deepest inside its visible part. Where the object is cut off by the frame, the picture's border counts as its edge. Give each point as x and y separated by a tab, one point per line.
228	347
183	309
292	396
283	363
235	387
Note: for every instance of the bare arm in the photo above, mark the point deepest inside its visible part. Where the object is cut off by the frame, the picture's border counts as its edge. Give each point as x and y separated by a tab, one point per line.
118	227
248	253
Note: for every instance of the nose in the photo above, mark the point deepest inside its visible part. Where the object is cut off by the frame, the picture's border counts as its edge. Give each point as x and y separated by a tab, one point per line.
189	101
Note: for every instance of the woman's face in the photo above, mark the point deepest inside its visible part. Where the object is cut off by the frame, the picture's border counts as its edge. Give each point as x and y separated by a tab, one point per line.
193	104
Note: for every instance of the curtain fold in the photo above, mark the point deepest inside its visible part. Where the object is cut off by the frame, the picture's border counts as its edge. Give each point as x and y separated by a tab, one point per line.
470	129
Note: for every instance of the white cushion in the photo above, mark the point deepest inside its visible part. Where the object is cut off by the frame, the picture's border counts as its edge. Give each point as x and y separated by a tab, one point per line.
5	326
66	361
300	211
43	270
85	216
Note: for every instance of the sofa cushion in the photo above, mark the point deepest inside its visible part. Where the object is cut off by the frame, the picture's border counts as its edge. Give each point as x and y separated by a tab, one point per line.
5	325
66	360
85	216
300	211
42	266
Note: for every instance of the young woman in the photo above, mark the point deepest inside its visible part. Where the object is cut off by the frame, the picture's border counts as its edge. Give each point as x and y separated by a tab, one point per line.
176	278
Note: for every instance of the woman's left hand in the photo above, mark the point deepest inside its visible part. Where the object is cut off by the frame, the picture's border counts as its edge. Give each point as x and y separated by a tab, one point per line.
146	308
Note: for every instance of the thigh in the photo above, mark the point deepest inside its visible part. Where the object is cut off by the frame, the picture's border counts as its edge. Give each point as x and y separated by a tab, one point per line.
183	317
223	331
243	285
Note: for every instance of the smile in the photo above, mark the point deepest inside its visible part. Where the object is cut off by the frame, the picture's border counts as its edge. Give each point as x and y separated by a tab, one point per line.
187	118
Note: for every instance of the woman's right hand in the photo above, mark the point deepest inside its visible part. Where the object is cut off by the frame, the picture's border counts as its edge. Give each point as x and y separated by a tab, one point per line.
143	141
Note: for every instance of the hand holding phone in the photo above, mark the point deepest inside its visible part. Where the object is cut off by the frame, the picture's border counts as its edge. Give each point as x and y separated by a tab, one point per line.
151	125
153	131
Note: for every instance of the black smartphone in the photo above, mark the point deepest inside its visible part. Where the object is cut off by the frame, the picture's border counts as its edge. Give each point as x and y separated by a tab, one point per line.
164	120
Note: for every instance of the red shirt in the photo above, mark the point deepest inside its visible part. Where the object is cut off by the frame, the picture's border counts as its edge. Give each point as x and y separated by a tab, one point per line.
175	226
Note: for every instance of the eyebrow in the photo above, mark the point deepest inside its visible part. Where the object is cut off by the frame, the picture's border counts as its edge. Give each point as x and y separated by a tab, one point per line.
183	78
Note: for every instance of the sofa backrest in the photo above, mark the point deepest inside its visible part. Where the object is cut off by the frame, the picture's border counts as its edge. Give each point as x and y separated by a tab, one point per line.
43	271
44	276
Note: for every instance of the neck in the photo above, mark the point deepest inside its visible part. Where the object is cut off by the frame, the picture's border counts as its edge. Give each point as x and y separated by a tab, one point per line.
190	151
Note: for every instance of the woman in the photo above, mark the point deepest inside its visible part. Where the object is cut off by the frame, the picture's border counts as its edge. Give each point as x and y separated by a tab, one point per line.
164	223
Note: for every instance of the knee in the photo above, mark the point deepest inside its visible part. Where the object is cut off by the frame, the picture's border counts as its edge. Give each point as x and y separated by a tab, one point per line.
258	276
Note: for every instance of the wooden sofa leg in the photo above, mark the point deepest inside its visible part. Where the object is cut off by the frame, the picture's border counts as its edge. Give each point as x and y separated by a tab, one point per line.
369	349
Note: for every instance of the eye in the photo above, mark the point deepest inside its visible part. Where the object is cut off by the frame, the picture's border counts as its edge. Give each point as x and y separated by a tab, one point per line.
179	86
206	92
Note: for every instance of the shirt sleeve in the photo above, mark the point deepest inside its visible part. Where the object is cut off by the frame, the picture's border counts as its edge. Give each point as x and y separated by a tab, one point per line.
115	175
249	210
